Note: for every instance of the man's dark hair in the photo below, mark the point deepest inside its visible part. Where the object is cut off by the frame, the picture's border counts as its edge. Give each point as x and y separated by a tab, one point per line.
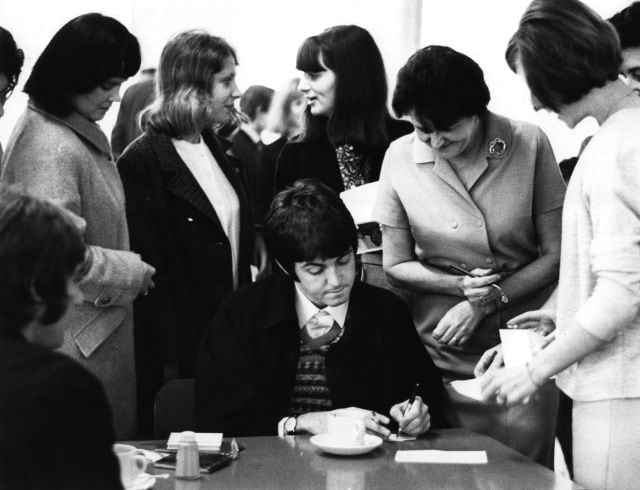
11	59
40	249
84	53
627	24
306	221
256	98
441	86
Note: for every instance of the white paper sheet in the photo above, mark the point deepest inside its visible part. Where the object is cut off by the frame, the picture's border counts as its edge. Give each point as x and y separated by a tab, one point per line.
441	457
517	346
360	201
205	440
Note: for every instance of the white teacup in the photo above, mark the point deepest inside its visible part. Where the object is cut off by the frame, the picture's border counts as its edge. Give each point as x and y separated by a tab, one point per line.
132	463
346	430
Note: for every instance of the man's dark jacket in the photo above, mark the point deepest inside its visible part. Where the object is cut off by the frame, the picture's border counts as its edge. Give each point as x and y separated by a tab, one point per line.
56	428
248	359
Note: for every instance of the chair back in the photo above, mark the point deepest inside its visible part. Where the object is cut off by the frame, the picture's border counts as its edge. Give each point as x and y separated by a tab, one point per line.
174	408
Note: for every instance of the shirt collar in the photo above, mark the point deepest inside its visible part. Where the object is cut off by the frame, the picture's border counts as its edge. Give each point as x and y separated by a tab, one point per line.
305	309
497	142
251	133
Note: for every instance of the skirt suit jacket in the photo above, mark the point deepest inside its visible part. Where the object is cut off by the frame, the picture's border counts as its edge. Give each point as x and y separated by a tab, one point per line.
68	161
491	225
175	228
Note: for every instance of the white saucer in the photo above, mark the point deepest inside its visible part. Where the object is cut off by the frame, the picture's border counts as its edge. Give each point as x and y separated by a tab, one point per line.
326	443
142	482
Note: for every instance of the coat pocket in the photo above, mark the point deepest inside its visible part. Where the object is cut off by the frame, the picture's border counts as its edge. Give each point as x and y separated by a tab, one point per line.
95	325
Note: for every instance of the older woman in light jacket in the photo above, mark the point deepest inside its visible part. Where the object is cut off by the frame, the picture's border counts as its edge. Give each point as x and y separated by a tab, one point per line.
57	151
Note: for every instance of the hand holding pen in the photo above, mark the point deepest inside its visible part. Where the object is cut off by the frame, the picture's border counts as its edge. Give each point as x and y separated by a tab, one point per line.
412	415
481	286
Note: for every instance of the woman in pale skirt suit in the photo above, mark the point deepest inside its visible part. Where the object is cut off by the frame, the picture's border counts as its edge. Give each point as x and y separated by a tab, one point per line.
475	190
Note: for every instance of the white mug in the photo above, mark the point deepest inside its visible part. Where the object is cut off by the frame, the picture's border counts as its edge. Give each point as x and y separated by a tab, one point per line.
346	430
132	463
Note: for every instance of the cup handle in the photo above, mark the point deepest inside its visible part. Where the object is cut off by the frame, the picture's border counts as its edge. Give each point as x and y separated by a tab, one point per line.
140	462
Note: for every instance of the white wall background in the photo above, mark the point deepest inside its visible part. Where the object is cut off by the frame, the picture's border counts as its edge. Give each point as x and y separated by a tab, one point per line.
266	35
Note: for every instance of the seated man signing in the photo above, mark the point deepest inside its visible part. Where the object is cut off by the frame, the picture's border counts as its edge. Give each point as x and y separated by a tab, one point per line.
285	351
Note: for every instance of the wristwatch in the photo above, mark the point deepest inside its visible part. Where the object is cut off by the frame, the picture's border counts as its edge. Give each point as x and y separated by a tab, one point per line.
290	426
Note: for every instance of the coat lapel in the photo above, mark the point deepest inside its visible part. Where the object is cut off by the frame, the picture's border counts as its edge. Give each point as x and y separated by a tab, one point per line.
182	183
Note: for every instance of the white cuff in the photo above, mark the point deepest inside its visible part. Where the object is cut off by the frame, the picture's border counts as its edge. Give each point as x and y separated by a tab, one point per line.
281	426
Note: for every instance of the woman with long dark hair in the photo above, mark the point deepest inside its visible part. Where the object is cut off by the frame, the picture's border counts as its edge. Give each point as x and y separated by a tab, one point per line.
347	126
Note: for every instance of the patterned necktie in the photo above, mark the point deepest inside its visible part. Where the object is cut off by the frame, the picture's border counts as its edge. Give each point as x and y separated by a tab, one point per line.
319	324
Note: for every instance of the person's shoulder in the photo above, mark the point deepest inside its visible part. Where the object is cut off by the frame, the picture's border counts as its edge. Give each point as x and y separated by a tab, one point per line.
376	298
402	148
253	295
51	371
67	371
623	123
302	143
42	128
617	141
524	130
142	148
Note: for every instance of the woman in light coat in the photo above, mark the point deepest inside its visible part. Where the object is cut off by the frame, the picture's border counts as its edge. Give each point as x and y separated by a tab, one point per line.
58	152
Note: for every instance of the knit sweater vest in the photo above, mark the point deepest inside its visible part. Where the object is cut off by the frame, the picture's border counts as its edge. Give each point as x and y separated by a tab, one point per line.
311	391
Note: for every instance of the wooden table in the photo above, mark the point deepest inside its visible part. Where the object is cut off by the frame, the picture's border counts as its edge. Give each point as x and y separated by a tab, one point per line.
272	462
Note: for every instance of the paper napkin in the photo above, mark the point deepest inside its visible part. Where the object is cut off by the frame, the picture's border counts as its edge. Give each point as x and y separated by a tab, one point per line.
441	457
210	441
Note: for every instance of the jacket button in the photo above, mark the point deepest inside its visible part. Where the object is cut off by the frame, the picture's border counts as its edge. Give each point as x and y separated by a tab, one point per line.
479	223
489	260
454	224
104	301
464	266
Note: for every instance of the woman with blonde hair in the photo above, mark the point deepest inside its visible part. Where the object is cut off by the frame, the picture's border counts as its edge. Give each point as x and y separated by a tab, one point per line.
187	208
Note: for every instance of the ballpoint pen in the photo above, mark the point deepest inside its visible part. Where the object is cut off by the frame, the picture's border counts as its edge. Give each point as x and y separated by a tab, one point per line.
503	295
412	399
